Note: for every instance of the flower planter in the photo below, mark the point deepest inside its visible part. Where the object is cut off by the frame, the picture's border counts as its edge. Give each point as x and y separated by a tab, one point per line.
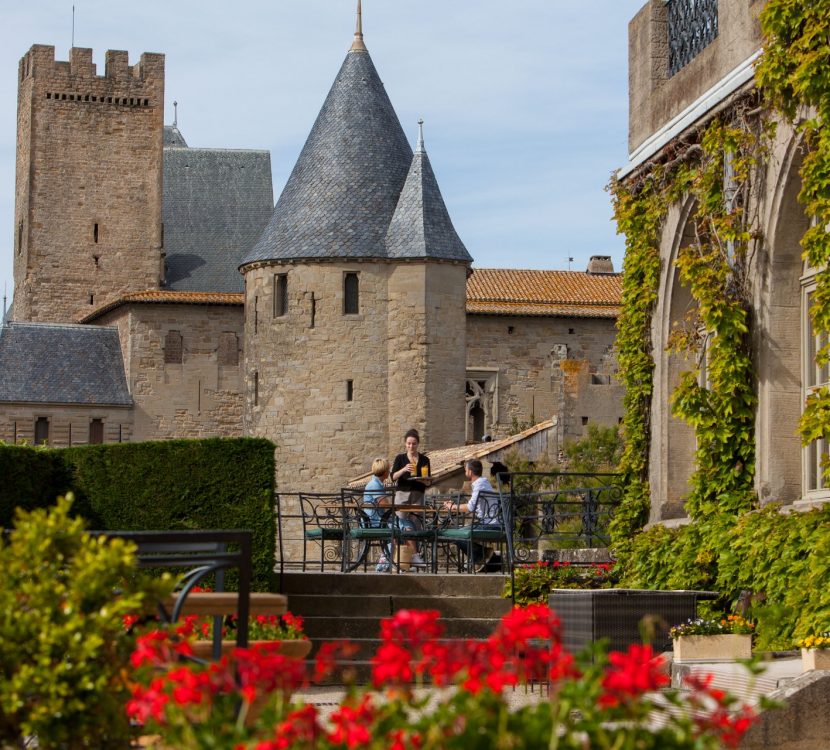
730	647
298	649
815	658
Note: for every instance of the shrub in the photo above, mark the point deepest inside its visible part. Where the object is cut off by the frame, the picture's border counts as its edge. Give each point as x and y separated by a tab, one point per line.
63	645
533	583
174	484
32	478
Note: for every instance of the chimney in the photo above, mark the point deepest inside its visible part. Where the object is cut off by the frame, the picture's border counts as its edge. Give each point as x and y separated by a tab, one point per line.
600	264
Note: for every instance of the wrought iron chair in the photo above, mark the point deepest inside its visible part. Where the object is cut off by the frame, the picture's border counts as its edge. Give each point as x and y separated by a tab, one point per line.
466	532
367	524
324	526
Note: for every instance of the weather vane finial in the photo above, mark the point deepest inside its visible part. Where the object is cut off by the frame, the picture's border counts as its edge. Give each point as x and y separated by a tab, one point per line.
358	32
420	148
175	114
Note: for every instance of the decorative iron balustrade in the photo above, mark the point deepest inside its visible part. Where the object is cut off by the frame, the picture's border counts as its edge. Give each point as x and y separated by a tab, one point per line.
693	25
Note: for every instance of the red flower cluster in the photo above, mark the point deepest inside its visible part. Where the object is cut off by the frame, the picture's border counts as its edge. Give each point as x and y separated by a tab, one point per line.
632	674
526	646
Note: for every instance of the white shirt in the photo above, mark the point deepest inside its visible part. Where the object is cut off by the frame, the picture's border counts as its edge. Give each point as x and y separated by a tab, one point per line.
485	509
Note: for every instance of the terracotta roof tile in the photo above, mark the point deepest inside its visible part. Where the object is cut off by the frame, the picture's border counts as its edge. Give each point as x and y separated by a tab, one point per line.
166	296
505	291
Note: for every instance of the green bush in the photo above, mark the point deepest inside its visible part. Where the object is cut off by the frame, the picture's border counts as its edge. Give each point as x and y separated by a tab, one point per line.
183	484
782	560
32	478
175	484
533	583
63	645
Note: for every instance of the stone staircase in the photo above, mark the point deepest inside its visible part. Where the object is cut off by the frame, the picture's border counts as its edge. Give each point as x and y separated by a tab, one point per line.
350	606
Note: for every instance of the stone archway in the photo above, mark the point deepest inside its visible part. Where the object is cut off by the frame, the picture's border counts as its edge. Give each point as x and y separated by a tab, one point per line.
779	339
672	440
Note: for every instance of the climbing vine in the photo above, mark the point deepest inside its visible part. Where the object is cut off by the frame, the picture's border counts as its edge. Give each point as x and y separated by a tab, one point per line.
638	213
718	169
795	76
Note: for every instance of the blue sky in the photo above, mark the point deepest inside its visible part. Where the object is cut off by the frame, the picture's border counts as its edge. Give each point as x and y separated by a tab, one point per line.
525	102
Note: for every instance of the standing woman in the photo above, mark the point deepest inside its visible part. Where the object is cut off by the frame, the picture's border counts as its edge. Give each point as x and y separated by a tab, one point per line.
405	468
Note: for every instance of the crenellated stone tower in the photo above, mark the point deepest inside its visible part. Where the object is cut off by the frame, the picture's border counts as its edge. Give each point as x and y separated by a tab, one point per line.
355	296
89	182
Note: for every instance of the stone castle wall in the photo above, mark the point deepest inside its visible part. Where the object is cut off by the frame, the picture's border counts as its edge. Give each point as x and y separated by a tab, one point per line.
200	396
427	324
298	367
89	182
547	366
68	424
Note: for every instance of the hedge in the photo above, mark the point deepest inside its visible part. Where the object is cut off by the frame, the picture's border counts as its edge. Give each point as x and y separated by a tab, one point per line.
219	483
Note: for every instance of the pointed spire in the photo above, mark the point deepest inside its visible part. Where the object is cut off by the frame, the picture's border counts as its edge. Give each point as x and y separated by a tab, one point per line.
358	44
420	148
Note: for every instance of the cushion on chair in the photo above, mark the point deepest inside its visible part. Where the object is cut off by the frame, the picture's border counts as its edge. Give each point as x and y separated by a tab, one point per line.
324	533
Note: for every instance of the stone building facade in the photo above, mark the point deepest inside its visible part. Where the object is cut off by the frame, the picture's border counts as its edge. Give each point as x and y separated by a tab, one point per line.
672	96
97	139
330	323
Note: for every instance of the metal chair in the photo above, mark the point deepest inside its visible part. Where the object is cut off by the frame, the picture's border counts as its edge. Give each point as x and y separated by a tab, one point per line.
323	522
465	534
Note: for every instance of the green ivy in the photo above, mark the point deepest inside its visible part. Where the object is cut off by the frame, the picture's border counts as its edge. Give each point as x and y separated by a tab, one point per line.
781	560
794	75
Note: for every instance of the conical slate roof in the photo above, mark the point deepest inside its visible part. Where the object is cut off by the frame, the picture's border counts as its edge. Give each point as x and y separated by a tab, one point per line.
341	196
421	226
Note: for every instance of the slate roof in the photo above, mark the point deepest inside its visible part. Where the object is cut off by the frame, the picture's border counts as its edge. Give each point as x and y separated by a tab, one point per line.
167	297
421	226
173	137
215	206
62	364
505	291
344	188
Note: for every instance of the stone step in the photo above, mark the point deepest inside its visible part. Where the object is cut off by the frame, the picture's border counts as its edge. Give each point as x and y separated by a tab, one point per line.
332	628
385	605
366	648
419	584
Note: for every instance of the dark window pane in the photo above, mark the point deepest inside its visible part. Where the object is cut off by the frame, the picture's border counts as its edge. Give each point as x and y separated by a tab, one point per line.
96	432
351	293
41	431
280	295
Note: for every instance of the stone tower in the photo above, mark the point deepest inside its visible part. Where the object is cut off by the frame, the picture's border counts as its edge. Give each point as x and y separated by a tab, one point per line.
89	181
355	296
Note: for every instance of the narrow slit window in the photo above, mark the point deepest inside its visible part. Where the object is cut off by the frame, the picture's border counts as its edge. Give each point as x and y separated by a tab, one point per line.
280	295
256	388
350	390
351	294
19	237
95	233
256	314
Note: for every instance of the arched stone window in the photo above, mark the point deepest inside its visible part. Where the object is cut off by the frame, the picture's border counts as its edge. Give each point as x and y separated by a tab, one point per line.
482	403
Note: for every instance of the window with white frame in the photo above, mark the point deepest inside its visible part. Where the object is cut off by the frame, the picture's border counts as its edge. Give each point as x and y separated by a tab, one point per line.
814	377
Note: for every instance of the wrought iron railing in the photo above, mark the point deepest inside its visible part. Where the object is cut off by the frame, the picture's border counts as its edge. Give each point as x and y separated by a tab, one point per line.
693	25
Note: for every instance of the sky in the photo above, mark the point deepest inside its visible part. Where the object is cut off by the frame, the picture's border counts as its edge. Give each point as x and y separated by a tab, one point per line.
525	102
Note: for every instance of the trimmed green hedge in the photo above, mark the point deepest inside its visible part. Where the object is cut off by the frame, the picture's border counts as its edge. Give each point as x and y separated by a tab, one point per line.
29	478
221	483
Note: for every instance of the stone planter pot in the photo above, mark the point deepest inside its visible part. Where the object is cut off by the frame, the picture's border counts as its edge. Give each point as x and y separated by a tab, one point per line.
692	648
815	658
298	649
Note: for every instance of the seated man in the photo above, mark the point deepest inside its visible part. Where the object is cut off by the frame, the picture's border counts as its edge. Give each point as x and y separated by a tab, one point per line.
484	505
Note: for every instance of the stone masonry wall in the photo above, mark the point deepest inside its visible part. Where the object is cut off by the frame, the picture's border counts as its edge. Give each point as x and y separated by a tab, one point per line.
196	398
298	366
427	323
89	182
68	425
548	366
